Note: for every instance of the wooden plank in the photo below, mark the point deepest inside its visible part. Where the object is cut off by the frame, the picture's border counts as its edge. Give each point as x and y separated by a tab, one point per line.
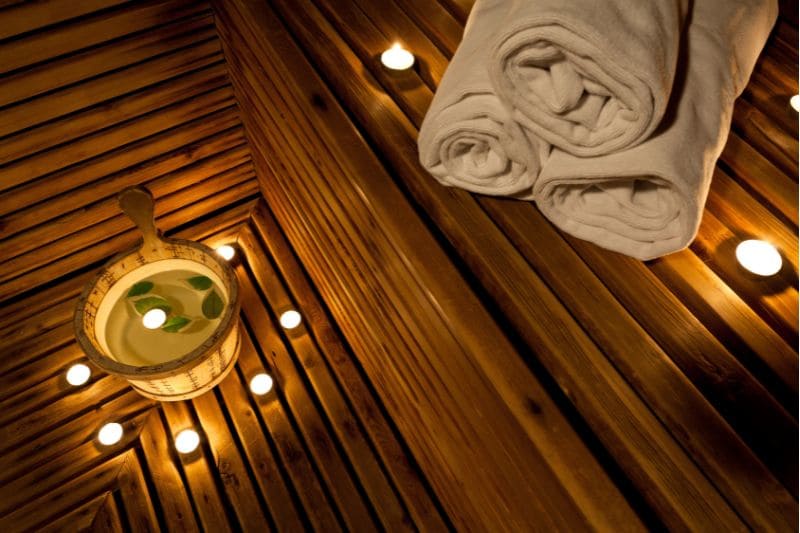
81	401
290	450
774	299
645	455
106	248
161	462
713	444
345	426
229	464
179	148
59	313
118	83
70	434
115	137
323	448
406	478
108	519
138	505
30	349
53	474
759	131
758	174
34	15
234	161
707	295
79	519
72	69
167	204
65	497
56	362
198	472
111	112
96	29
273	487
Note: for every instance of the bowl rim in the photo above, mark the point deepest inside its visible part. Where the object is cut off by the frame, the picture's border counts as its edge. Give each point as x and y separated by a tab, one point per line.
174	366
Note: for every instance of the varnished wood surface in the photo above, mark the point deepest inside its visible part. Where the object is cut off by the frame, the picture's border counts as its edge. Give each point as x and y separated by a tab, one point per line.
461	363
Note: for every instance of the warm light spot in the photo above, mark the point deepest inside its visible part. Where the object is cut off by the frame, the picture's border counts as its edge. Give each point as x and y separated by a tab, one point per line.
154	318
187	441
261	384
290	319
795	101
759	257
397	58
78	374
226	251
110	434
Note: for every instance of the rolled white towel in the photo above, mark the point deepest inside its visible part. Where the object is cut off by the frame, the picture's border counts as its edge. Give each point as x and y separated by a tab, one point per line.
648	201
590	77
467	138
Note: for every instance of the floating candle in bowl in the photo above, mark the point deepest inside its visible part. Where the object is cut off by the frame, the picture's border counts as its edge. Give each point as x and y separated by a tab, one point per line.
164	316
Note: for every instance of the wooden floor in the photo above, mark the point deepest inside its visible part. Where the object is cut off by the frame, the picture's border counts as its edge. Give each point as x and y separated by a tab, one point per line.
461	363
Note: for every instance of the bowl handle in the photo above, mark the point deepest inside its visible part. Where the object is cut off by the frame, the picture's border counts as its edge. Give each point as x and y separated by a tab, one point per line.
137	203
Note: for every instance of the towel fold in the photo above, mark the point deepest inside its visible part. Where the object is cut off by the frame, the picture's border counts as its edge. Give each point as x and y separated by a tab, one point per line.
647	201
590	77
467	138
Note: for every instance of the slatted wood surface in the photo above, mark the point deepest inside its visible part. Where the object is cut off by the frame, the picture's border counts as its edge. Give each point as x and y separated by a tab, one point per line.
461	363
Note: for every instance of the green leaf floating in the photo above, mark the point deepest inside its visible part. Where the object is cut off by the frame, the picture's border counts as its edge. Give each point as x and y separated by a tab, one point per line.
142	287
143	305
200	283
212	305
175	323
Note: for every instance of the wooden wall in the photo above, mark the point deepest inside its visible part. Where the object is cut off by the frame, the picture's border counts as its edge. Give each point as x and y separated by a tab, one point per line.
98	95
461	364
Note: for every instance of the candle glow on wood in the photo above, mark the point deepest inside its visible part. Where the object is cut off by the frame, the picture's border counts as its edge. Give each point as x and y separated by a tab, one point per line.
110	433
226	251
397	58
78	374
261	384
290	319
759	257
187	441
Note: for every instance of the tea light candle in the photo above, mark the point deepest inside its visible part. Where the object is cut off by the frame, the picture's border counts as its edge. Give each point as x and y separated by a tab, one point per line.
187	441
290	319
78	374
109	434
759	257
261	384
397	58
226	251
154	318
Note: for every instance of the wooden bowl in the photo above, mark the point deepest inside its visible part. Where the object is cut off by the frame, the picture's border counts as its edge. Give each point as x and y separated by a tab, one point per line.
187	375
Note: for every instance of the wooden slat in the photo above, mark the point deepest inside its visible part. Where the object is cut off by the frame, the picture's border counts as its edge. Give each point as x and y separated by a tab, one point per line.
115	84
160	156
229	463
198	473
263	464
406	479
115	55
79	519
138	505
103	27
289	447
38	512
34	15
108	518
170	487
